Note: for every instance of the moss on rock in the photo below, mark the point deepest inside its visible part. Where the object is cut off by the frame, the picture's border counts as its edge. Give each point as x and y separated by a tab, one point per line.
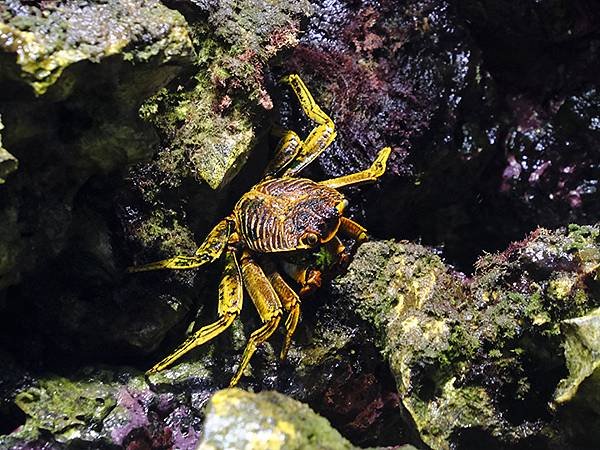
209	119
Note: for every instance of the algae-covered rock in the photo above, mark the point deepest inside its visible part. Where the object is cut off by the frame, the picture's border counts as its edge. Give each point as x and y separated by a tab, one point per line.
102	408
48	38
478	358
205	145
210	118
238	419
577	397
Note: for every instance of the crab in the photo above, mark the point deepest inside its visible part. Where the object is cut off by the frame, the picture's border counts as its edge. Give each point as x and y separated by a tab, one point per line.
283	215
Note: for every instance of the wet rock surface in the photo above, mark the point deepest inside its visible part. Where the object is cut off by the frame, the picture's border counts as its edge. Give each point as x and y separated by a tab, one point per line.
129	128
488	106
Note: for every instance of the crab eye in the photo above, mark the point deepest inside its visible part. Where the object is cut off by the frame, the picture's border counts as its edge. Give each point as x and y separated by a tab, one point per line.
310	238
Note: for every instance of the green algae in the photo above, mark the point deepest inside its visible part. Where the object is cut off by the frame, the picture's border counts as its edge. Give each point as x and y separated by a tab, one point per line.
204	144
210	119
162	227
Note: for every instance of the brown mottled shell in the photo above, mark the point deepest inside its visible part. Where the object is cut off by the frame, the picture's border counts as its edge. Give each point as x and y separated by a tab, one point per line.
275	214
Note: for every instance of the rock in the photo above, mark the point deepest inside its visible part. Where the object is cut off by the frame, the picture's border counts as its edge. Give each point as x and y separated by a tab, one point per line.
8	163
477	358
210	120
47	39
239	419
103	408
478	101
582	350
543	183
67	54
541	47
411	77
576	397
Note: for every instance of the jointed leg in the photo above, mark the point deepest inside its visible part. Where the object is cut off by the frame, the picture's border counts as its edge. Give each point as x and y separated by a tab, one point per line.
350	228
267	304
289	146
307	102
209	251
337	251
309	278
319	138
230	305
371	174
291	303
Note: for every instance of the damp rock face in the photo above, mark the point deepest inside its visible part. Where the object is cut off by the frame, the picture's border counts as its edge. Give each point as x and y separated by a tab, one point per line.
481	358
488	106
411	77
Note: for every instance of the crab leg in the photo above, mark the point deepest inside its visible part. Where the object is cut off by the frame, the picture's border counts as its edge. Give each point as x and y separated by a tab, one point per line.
291	303
309	278
350	228
317	141
336	249
209	251
267	304
371	174
289	146
230	305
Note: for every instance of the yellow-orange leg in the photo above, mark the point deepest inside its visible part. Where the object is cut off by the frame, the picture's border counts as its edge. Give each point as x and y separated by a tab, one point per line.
319	138
350	228
267	304
309	278
376	170
210	250
230	305
290	301
289	146
337	250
